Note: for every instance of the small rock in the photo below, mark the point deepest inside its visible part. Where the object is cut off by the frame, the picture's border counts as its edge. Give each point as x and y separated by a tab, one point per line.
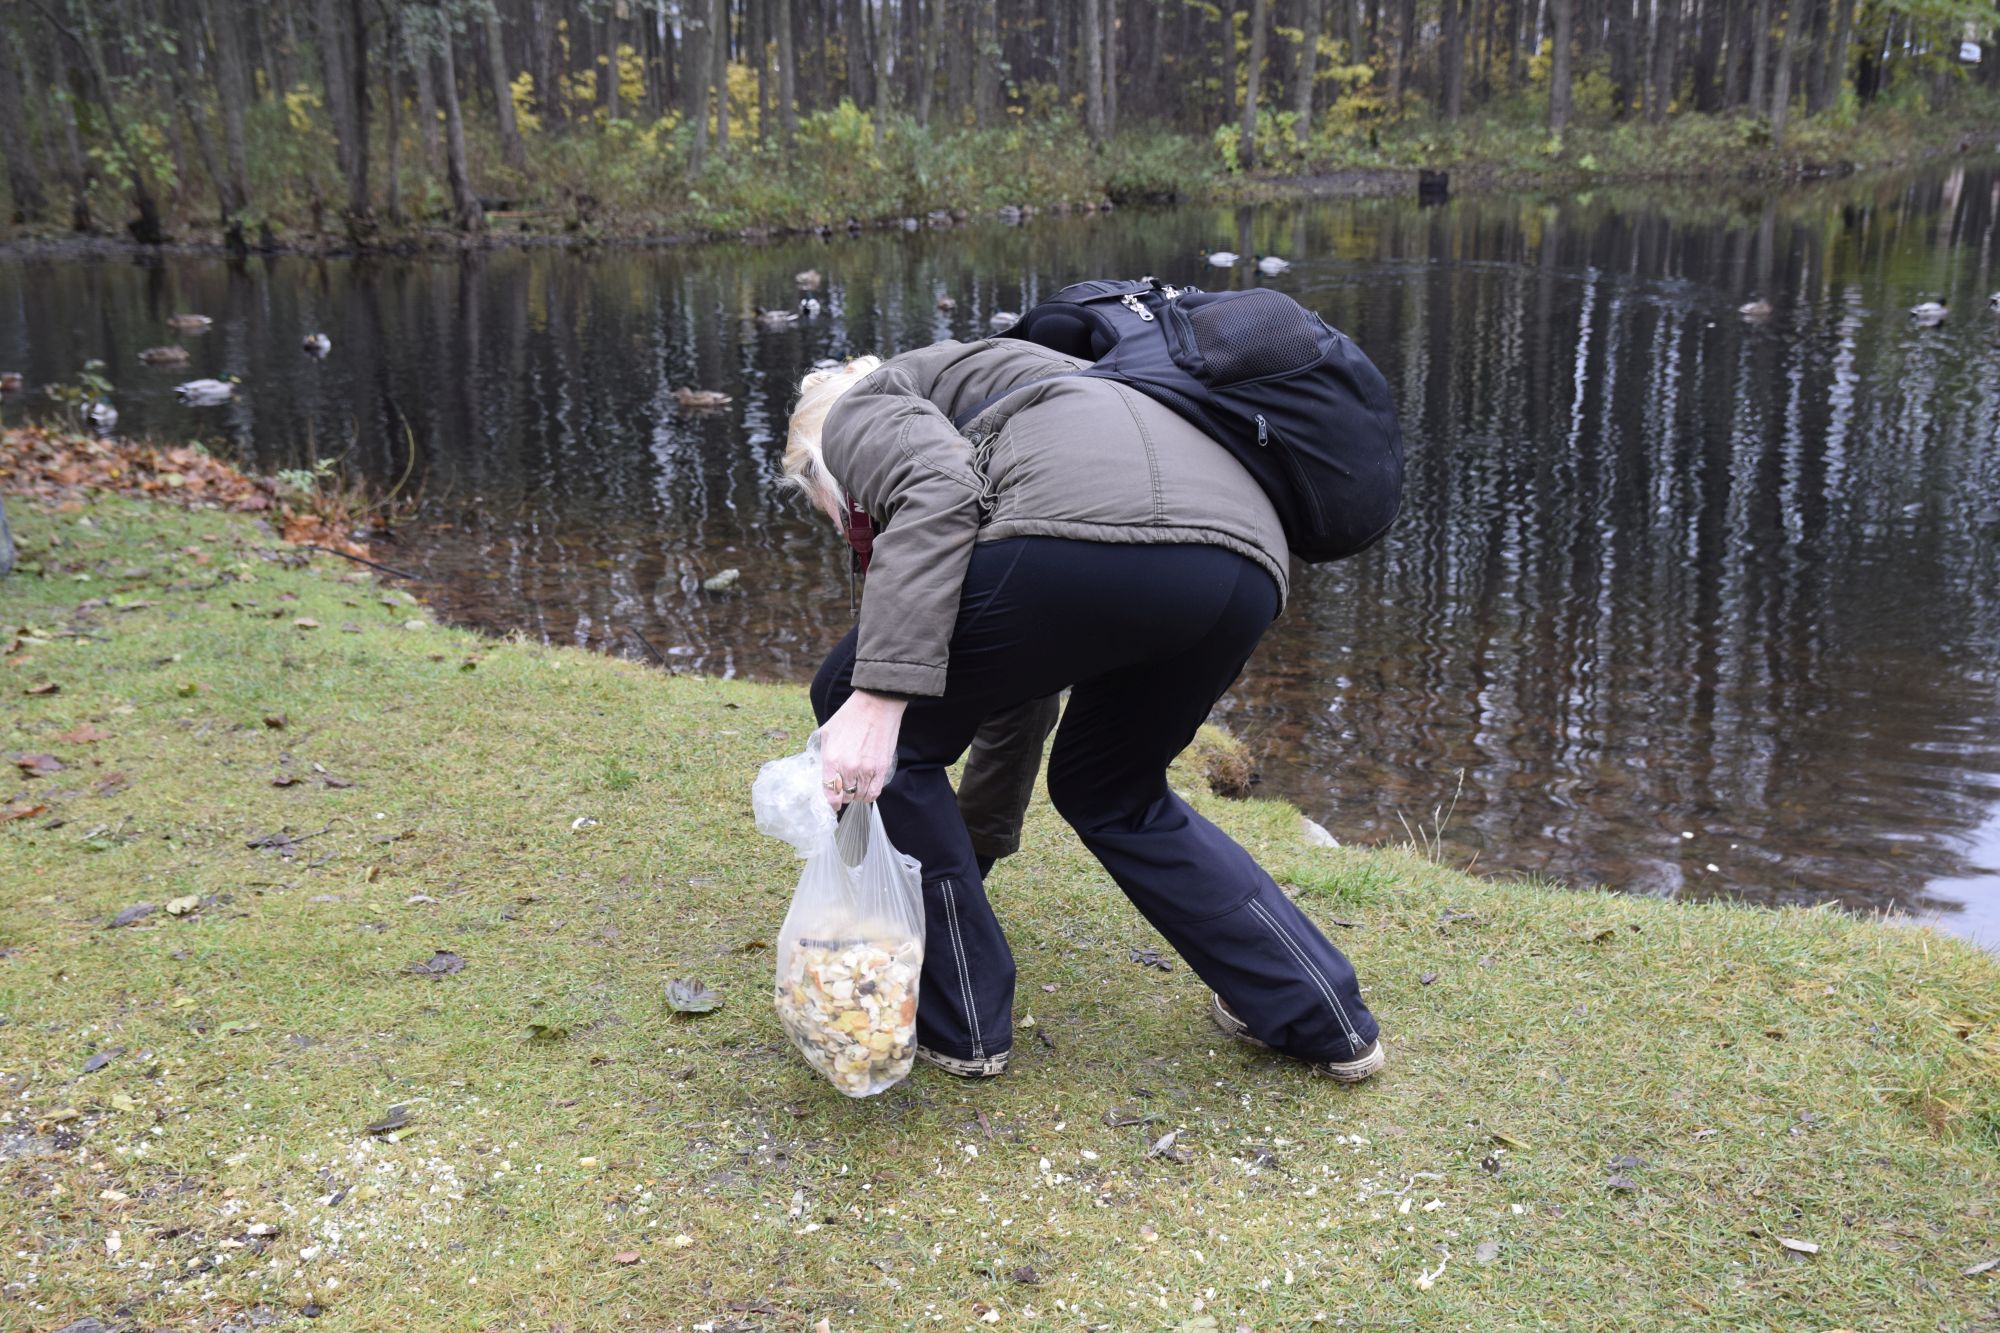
724	582
1487	1252
1315	834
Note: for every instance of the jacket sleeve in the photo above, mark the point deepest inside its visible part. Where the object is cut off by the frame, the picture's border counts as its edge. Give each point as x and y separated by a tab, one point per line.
899	457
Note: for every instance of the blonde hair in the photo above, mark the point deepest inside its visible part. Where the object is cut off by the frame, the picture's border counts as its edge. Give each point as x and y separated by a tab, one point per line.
805	465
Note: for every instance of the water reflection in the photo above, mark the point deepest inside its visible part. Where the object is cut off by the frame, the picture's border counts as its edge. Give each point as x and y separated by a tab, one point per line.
1664	571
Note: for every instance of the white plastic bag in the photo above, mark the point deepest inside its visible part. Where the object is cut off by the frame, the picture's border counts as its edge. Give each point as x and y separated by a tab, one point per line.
789	801
851	955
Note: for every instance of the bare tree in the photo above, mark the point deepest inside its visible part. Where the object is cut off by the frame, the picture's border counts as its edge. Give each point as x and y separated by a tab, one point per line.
512	152
1302	93
1246	148
24	182
1093	71
1562	15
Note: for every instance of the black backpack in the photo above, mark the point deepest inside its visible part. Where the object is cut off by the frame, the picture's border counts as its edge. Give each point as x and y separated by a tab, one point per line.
1293	399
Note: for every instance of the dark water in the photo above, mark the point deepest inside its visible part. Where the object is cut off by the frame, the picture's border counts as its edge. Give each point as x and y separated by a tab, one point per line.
1663	572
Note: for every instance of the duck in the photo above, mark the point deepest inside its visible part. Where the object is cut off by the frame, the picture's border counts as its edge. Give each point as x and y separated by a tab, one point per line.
1223	258
316	344
947	304
1003	320
11	381
164	356
207	393
1271	266
101	415
701	400
776	319
808	280
1928	313
809	306
1993	303
192	323
1756	311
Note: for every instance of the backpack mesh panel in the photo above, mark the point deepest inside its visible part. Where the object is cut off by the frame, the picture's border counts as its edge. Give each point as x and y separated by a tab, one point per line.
1253	335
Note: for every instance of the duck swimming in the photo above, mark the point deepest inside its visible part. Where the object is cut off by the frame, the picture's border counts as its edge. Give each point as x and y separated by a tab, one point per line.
1223	258
947	304
164	356
11	381
1271	266
701	400
1756	311
809	306
101	415
776	319
207	393
191	323
1003	320
808	280
1928	313
316	344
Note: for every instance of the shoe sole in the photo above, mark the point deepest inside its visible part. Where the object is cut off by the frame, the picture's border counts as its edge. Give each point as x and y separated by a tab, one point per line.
991	1067
1363	1066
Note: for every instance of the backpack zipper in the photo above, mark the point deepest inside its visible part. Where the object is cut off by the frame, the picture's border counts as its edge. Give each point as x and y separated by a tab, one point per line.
1263	432
1131	302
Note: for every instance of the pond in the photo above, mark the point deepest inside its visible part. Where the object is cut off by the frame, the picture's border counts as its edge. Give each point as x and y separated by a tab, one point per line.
1682	602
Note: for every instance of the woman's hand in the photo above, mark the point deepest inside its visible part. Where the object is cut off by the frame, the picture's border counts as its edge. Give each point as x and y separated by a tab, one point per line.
857	747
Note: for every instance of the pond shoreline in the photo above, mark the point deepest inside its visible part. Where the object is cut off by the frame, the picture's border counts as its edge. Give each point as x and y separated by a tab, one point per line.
1331	183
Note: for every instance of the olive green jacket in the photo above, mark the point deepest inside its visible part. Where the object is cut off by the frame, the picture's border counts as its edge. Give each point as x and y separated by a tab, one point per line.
1081	458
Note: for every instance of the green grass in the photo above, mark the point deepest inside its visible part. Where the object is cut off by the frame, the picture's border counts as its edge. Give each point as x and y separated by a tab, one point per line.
1796	1074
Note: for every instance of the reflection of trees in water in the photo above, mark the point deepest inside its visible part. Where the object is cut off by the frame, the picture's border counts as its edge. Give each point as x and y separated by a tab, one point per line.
1657	571
1666	569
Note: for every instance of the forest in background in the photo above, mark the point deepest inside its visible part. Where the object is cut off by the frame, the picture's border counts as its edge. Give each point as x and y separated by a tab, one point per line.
263	122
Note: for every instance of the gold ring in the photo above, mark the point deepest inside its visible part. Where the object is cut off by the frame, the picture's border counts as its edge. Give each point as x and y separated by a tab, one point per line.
832	783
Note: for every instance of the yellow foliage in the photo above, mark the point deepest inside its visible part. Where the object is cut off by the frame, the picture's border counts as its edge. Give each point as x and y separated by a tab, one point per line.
300	103
631	76
523	92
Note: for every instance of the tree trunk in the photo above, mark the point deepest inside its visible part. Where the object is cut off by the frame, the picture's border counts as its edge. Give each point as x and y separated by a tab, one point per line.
24	182
1260	22
695	80
1302	91
541	63
718	45
512	152
1834	75
881	47
1451	75
1708	54
1781	89
1111	70
1666	47
89	82
1406	43
1760	41
986	77
1562	15
232	90
349	141
1093	71
75	163
931	26
855	44
392	44
788	84
466	213
427	106
1228	8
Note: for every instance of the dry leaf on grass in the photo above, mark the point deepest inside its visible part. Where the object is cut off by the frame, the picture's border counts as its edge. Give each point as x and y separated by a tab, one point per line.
439	964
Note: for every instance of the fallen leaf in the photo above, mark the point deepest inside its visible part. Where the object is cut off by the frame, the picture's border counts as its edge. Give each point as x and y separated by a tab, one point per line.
546	1032
1620	1183
111	784
1427	978
1486	1252
691	997
136	912
47	687
101	1059
285	780
439	964
237	1026
1147	1234
275	721
1798	1246
398	1117
17	810
83	734
36	765
1626	1162
305	622
1984	1266
183	905
338	784
625	1257
1025	1276
1150	958
1508	1141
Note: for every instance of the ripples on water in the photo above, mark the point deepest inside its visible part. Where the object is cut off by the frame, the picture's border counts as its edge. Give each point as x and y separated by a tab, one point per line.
1662	571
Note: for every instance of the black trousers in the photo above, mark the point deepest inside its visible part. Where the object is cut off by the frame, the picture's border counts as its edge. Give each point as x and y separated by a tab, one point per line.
1148	637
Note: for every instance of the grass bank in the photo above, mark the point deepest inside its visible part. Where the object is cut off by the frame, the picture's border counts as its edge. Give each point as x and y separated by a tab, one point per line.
393	864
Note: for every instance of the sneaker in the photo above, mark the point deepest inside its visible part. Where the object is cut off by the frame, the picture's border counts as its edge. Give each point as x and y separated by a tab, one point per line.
1341	1071
989	1067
